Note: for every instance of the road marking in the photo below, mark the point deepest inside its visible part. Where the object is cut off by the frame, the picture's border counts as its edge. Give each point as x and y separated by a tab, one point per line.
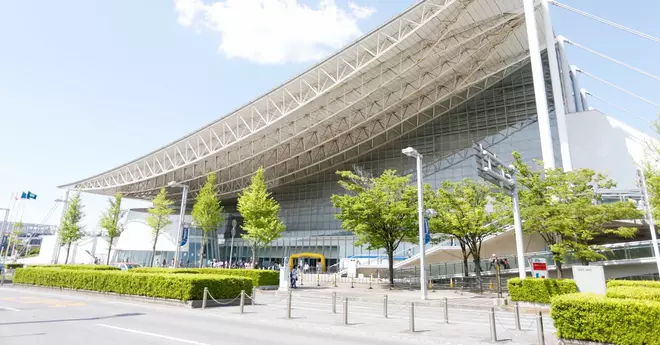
8	308
152	334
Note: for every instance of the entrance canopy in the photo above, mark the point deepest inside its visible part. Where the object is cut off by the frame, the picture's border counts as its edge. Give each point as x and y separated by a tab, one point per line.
308	255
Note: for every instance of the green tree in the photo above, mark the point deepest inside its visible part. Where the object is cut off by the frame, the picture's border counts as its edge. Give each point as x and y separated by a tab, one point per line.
159	218
470	212
260	214
207	212
70	230
381	211
110	221
565	208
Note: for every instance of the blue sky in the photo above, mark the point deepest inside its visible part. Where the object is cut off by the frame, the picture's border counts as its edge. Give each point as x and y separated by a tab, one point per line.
87	85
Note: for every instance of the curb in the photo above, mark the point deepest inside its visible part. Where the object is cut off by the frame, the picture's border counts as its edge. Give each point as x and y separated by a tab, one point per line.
193	304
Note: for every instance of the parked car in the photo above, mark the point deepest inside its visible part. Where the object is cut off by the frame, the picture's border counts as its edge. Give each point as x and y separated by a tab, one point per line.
125	266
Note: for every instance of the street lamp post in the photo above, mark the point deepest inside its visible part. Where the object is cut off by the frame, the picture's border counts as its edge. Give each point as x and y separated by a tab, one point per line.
182	214
5	225
233	233
411	152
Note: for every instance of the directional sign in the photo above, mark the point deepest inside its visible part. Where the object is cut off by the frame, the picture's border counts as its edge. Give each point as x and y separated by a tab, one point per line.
539	268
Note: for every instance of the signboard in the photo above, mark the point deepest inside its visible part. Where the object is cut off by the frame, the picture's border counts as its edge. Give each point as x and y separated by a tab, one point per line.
184	238
589	279
352	269
539	268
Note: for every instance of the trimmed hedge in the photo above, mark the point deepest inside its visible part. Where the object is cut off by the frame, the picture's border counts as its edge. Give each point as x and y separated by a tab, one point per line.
259	277
607	320
182	287
80	267
539	290
637	283
634	292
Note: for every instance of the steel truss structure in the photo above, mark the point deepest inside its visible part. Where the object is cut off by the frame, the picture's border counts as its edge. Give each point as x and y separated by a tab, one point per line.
426	61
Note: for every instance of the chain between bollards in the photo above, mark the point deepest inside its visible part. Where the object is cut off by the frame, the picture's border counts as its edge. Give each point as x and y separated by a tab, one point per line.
334	302
412	317
345	310
242	305
446	305
288	306
385	306
516	314
206	292
539	328
493	331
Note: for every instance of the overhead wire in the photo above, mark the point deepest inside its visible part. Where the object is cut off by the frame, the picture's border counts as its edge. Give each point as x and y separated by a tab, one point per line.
605	21
612	59
619	107
619	88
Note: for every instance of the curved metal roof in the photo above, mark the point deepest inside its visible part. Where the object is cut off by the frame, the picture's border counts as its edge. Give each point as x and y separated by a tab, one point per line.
423	62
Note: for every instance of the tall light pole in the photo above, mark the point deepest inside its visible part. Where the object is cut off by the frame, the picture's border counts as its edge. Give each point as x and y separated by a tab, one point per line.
5	225
649	215
411	152
233	233
182	214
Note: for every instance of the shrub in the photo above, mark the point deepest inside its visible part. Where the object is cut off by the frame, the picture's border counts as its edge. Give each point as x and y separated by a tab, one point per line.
634	292
638	283
606	320
259	277
79	267
539	290
182	287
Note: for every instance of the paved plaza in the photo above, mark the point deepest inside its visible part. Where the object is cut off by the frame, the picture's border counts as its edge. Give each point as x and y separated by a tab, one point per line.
39	315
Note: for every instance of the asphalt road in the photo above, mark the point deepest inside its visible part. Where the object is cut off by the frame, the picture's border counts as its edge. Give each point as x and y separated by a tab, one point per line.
38	316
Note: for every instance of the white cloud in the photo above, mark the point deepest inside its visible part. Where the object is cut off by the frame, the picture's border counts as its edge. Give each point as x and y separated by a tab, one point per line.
275	31
360	11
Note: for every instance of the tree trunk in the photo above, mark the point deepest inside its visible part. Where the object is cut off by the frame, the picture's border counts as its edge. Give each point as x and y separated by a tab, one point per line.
560	273
390	265
107	260
153	252
477	269
254	255
466	267
68	248
201	250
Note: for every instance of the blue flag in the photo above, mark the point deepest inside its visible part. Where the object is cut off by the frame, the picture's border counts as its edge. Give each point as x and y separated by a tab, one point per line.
29	195
427	233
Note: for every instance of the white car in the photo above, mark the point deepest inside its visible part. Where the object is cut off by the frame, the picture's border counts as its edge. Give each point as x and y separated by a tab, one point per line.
125	266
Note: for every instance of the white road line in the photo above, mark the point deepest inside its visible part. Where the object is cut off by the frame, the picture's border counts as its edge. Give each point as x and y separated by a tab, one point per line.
152	334
8	308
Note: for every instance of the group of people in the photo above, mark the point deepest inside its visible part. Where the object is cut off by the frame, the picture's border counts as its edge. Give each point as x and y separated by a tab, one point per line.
495	261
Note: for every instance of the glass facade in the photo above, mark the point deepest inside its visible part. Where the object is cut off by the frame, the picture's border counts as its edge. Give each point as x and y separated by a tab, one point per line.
502	118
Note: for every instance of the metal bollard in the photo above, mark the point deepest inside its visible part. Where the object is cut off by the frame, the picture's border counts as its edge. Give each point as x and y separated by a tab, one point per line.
335	280
539	328
253	299
493	331
318	280
412	317
2	279
334	302
288	306
385	306
446	310
206	291
242	305
302	279
345	310
516	314
352	281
